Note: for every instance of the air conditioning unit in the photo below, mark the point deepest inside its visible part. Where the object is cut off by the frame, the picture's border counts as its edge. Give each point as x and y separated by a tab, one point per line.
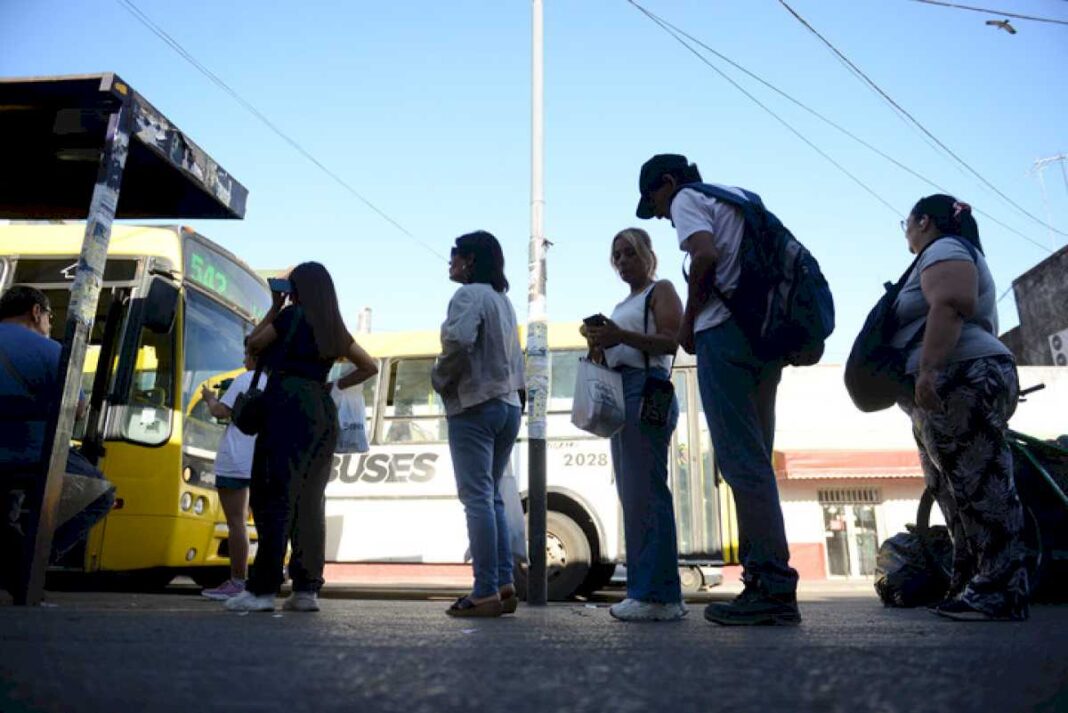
1058	345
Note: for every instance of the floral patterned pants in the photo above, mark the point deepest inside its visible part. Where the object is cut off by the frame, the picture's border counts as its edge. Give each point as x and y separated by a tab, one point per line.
967	464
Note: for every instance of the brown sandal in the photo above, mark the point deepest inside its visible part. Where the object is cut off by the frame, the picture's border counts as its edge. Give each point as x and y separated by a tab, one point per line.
464	607
509	604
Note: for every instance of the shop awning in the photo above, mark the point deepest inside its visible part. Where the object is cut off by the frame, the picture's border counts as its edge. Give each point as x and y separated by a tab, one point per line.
856	464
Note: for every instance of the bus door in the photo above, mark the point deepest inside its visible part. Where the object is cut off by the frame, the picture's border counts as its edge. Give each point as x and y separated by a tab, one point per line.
694	479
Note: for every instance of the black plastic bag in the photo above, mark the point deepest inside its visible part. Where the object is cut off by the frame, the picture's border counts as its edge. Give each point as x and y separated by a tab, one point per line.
911	570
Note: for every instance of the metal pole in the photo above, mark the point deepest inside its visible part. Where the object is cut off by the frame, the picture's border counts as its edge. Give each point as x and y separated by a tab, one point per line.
537	332
43	497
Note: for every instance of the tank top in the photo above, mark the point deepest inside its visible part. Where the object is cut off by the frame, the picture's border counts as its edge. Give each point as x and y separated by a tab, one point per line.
630	315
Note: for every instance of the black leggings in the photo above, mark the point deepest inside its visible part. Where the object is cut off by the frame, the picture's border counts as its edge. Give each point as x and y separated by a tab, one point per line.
290	470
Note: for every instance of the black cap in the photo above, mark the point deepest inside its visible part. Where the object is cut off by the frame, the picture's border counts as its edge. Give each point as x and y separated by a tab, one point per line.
649	178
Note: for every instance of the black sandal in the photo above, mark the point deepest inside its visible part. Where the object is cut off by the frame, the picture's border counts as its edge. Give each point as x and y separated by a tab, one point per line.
464	607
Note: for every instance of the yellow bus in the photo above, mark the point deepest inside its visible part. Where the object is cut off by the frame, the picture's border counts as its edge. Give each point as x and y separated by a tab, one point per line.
397	503
173	313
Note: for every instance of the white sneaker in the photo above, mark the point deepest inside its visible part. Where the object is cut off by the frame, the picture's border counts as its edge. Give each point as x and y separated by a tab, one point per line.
247	601
302	601
636	610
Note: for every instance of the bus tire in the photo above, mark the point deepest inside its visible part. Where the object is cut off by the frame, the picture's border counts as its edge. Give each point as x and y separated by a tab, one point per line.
599	577
567	558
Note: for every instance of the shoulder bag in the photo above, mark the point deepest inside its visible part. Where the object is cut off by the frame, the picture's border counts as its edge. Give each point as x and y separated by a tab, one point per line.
875	371
657	394
249	413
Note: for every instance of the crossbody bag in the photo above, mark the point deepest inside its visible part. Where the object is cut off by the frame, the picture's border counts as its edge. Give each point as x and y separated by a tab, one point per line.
658	394
250	410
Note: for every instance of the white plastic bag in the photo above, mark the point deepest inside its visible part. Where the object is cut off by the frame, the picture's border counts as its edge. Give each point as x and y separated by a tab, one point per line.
513	513
352	420
598	406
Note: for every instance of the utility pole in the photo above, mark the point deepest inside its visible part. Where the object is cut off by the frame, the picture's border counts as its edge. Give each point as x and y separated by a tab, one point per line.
1039	168
537	365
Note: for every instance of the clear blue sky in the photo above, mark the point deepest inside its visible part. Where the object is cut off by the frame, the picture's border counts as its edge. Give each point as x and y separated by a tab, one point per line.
424	108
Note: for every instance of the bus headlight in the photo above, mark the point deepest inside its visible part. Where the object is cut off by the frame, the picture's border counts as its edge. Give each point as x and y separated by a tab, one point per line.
186	501
200	506
187	474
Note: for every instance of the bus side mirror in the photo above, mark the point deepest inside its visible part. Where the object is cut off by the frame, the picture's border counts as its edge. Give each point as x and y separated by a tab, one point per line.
161	306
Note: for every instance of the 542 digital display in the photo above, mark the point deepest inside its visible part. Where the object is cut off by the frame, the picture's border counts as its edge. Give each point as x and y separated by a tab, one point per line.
220	274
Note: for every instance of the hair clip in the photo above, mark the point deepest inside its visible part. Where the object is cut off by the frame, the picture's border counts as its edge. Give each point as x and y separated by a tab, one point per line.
959	206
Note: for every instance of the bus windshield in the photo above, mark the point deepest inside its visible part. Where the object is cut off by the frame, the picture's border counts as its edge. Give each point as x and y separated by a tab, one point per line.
214	348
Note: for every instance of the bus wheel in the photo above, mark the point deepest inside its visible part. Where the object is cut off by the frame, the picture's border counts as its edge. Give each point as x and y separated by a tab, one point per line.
691	579
210	577
567	558
599	577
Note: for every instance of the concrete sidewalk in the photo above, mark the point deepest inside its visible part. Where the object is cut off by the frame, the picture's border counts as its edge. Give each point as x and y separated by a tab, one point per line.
176	652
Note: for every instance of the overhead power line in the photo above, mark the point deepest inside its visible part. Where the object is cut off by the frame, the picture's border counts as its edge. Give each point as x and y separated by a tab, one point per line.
999	13
215	79
675	31
765	107
897	107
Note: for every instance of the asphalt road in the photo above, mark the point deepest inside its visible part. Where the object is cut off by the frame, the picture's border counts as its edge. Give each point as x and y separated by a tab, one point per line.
175	652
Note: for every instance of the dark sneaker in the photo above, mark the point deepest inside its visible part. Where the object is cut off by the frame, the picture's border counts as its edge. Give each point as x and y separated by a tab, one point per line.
755	608
959	610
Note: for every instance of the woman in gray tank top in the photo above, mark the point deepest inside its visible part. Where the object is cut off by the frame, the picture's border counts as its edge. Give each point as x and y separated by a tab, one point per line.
965	391
640	345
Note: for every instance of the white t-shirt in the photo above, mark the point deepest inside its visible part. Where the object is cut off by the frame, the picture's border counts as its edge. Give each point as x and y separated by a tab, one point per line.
693	212
630	315
234	457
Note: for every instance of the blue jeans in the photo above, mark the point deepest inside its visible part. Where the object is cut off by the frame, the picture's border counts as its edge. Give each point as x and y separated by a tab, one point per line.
738	394
480	441
640	460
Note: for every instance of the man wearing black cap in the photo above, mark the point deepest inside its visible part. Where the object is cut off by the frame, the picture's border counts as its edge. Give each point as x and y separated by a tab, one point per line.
737	387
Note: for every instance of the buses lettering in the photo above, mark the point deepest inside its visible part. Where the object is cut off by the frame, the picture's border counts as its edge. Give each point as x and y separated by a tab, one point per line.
384	467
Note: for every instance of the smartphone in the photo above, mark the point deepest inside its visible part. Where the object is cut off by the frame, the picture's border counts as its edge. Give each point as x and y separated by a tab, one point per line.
277	284
595	320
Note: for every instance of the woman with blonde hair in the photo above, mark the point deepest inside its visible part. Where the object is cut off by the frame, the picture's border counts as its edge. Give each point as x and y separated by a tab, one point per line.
640	341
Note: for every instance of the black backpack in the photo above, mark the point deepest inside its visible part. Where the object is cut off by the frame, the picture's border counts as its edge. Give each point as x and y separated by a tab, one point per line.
875	371
782	302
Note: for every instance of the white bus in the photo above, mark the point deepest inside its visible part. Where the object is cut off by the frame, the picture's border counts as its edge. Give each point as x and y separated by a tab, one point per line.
398	504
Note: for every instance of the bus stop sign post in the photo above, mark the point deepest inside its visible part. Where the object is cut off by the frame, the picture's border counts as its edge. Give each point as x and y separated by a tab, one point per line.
43	496
537	334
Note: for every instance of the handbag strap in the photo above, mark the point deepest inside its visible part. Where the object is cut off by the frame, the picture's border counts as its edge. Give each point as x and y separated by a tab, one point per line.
645	329
297	314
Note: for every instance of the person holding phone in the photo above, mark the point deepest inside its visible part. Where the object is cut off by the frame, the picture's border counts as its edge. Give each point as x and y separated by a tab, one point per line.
233	475
298	344
639	341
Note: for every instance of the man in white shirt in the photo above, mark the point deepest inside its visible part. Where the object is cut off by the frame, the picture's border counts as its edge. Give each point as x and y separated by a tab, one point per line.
737	387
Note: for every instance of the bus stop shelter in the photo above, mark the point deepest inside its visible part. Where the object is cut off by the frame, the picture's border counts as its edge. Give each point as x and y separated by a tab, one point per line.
91	148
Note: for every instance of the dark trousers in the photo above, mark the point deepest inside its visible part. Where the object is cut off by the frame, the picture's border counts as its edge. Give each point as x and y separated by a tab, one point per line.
738	394
290	470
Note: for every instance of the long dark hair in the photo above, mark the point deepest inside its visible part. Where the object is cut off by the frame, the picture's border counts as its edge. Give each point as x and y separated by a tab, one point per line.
488	265
950	216
313	289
